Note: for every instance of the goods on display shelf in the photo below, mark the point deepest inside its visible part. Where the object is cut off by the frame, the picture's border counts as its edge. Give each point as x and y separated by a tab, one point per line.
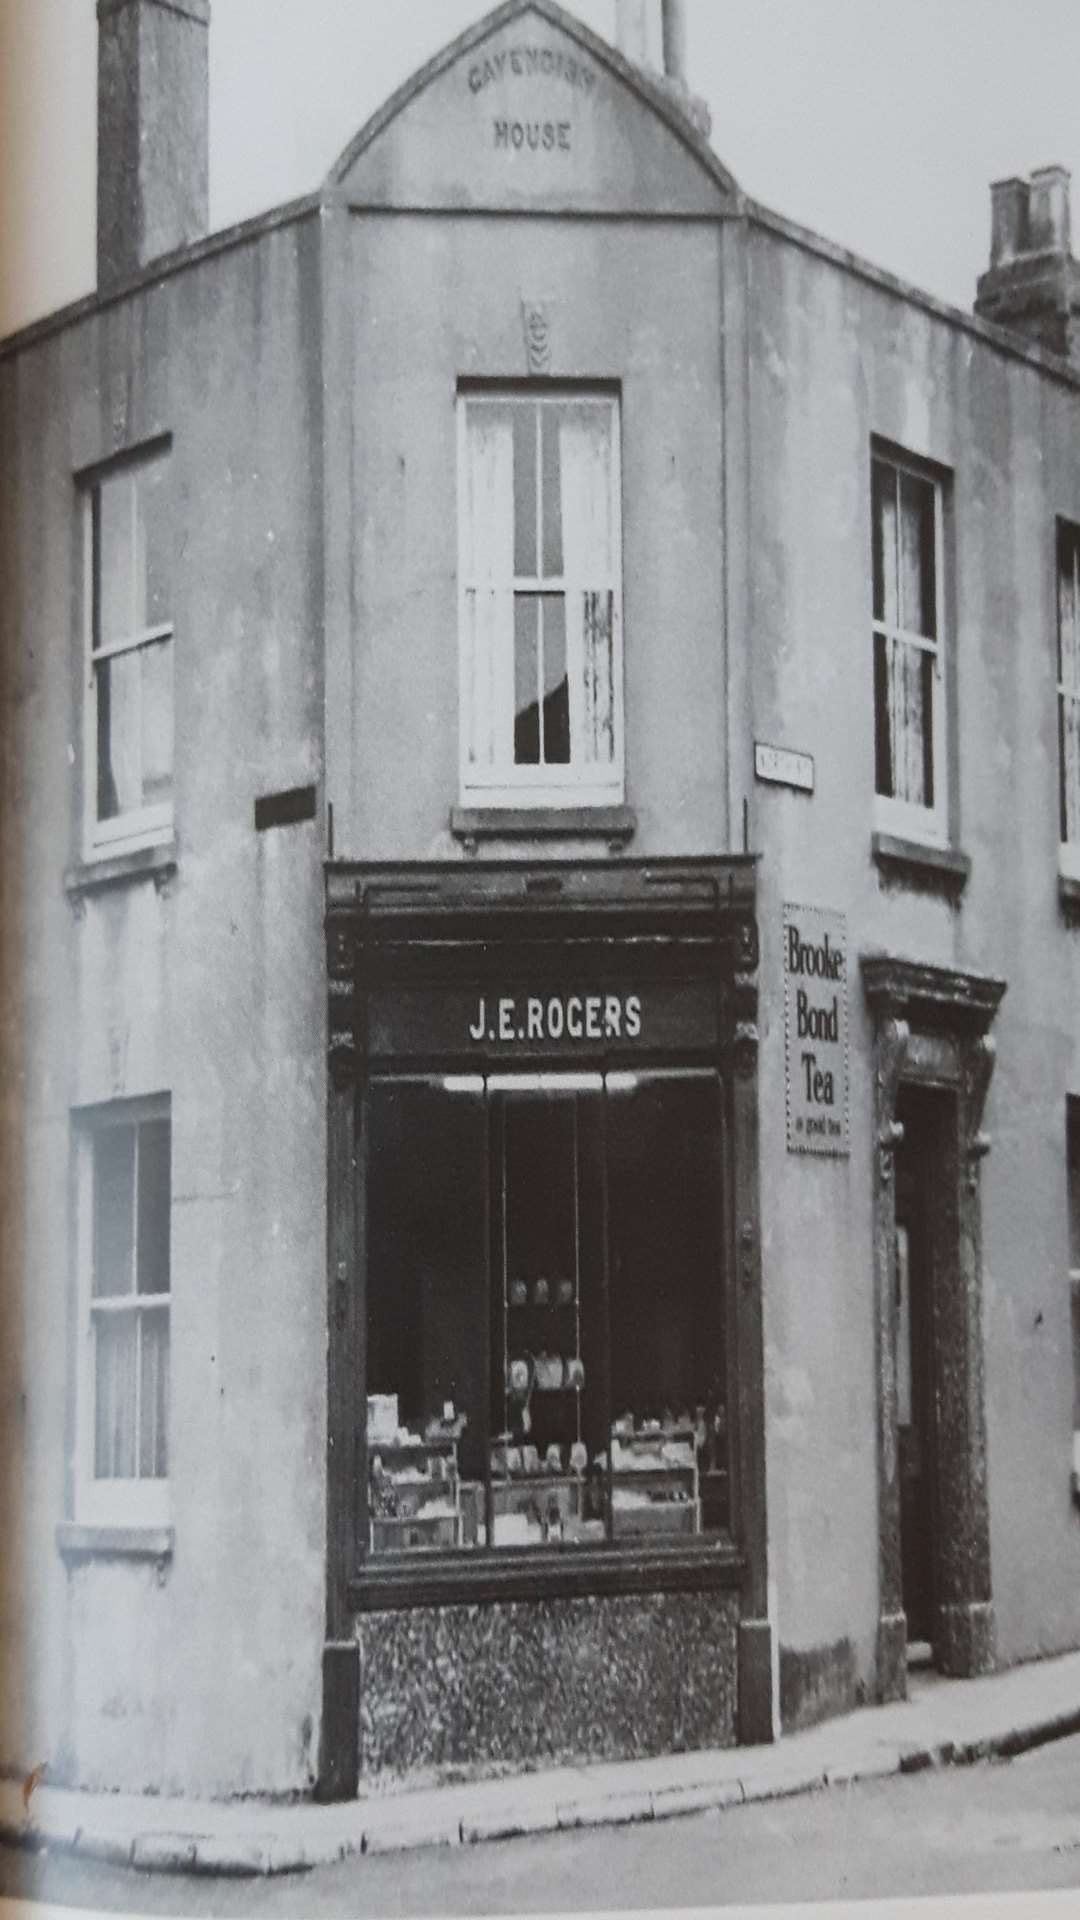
654	1479
646	1483
414	1491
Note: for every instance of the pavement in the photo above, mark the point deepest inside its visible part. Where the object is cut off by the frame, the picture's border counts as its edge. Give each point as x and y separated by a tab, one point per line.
943	1722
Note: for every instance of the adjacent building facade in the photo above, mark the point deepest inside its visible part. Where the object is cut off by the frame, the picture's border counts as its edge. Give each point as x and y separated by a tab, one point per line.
541	865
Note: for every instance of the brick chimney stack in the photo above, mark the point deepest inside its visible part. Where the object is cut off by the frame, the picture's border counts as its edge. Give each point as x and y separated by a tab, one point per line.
153	131
1033	283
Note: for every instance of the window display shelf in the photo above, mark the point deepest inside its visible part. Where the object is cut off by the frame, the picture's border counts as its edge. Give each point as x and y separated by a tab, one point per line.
654	1482
414	1494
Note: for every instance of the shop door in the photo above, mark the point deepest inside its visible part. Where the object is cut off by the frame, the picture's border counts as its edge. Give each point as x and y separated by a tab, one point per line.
915	1371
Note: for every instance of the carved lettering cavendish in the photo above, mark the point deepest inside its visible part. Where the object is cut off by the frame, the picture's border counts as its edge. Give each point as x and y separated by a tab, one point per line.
526	63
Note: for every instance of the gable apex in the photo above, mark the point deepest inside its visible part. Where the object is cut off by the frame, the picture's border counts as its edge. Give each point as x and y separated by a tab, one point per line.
576	62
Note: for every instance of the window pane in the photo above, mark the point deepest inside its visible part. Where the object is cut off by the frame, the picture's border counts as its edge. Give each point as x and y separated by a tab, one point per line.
490	493
669	1459
885	543
489	642
114	1211
1073	1135
1070	766
153	545
526	680
1068	610
586	453
1075	1292
119	728
428	1356
114	1395
918	612
883	776
524	416
154	1206
598	655
154	1394
552	493
157	721
906	712
556	741
1069	679
115	560
548	1325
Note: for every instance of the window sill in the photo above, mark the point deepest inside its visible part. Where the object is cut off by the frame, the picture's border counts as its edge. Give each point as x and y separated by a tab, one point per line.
78	1542
536	1573
616	825
1069	899
919	866
157	863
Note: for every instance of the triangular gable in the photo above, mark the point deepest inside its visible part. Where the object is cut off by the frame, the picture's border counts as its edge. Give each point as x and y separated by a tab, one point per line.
531	110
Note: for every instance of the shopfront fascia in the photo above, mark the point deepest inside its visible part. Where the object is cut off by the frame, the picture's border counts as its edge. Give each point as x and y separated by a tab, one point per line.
545	1406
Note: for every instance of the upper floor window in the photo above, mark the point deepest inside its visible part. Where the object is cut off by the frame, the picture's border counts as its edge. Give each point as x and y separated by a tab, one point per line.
909	702
129	734
1068	577
540	600
124	1192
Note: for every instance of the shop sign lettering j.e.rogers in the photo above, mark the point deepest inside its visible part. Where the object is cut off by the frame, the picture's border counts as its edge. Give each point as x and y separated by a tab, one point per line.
535	1020
574	1016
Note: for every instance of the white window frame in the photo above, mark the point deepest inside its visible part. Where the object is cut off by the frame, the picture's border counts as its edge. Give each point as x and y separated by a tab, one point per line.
143	826
902	817
1068	848
508	785
110	1502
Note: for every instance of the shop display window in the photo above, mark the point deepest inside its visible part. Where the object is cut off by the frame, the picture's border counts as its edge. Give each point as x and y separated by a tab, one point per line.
546	1353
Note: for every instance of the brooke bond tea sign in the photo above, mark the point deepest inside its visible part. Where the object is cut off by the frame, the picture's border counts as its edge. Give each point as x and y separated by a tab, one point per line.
816	1031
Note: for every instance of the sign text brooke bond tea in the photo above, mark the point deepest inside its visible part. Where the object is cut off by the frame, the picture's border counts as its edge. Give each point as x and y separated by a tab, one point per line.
816	1031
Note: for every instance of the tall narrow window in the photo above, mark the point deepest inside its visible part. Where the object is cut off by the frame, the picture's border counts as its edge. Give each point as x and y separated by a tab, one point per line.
130	668
541	667
125	1215
1068	575
909	704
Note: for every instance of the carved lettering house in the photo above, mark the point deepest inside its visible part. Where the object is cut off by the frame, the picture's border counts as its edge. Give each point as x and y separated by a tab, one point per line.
541	737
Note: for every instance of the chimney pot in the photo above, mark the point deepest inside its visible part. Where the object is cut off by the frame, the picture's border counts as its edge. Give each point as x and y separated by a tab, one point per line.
153	135
1033	283
1048	211
674	18
1008	220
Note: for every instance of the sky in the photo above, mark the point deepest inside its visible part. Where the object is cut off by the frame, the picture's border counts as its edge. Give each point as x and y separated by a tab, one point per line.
879	123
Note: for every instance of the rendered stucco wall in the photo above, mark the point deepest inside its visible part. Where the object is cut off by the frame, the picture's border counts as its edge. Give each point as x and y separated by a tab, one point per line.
637	306
835	360
207	1679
